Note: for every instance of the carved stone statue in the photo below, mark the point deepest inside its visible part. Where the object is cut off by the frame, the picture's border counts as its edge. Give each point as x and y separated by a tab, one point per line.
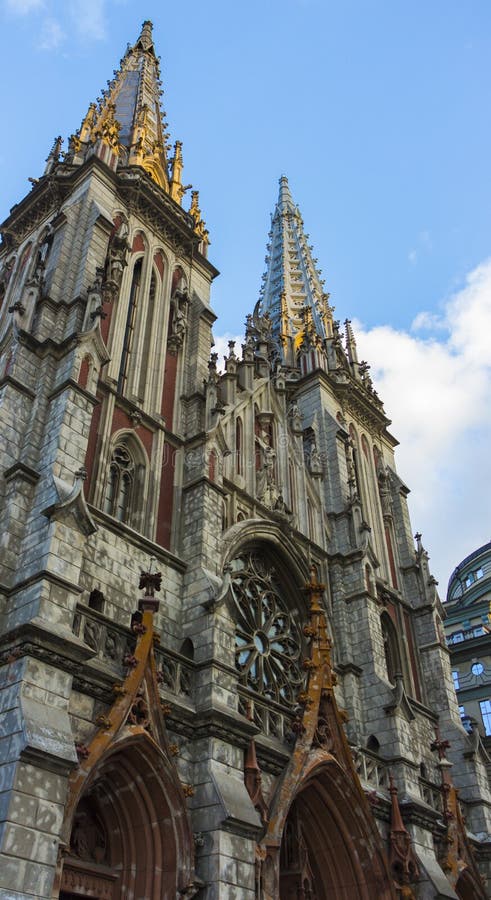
44	250
295	417
179	322
5	276
265	475
116	261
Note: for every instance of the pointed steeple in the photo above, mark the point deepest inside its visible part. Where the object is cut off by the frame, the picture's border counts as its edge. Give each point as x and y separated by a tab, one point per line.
128	120
293	291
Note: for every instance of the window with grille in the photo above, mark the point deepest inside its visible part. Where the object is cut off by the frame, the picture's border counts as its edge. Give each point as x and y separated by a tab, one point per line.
120	483
268	637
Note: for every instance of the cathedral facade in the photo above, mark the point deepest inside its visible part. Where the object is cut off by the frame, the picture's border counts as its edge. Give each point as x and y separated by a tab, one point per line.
222	660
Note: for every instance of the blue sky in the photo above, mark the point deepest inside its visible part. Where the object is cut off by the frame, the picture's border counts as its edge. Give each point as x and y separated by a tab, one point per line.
377	112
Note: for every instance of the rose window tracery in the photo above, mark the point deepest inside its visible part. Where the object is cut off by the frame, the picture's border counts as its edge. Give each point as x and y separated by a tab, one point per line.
268	641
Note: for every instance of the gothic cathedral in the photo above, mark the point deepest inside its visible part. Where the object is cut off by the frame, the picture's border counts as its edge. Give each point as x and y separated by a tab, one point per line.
222	661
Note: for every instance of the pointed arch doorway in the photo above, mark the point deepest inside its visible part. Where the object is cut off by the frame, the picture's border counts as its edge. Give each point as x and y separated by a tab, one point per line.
329	850
129	833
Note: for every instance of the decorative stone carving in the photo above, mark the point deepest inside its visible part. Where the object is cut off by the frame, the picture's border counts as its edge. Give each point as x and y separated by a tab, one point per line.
179	326
116	261
5	276
295	417
402	858
88	840
265	476
69	504
253	782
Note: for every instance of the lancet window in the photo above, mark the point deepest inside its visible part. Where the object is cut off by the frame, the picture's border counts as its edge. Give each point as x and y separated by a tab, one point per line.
268	639
146	347
239	449
391	648
120	484
130	325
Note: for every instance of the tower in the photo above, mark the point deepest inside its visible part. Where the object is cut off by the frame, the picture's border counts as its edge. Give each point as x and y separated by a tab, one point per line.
222	656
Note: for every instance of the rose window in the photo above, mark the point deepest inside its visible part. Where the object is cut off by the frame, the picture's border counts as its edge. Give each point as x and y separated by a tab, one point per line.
268	642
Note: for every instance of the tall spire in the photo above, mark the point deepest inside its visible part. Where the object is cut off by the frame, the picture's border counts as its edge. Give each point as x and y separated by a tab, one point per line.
292	290
128	117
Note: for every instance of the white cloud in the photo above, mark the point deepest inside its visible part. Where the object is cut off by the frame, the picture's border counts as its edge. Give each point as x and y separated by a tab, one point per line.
436	390
89	18
52	35
85	18
221	346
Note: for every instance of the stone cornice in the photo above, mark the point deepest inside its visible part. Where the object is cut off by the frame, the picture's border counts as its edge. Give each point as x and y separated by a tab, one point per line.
37	639
71	384
20	470
36	206
8	379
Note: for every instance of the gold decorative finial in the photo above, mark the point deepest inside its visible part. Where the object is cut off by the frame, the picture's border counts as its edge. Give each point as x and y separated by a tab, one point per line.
176	187
87	127
108	127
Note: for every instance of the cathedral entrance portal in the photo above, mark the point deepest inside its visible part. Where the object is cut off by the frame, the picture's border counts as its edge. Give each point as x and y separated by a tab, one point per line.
327	853
127	836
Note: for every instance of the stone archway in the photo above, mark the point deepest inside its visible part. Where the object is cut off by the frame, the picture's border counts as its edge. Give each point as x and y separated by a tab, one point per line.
329	850
129	833
467	887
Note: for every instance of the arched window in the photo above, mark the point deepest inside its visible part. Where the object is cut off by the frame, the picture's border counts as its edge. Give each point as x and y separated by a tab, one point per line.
130	325
373	744
212	465
96	600
187	648
268	637
352	462
239	449
293	493
120	484
310	519
146	350
391	648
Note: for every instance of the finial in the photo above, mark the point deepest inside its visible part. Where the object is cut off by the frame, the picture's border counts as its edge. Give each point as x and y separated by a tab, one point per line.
199	223
88	123
396	820
54	155
440	745
350	342
145	41
150	582
402	859
177	190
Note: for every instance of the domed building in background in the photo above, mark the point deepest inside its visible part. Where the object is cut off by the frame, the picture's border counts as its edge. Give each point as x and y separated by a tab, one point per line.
223	671
468	632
